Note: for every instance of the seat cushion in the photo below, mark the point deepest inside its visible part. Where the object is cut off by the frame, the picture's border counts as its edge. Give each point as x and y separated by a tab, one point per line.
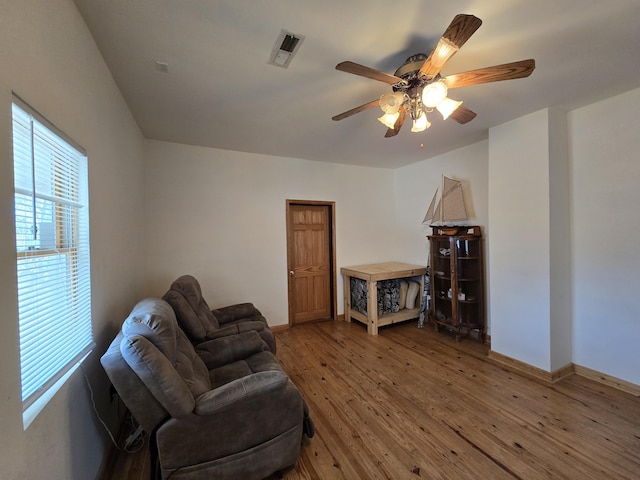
230	348
259	362
238	390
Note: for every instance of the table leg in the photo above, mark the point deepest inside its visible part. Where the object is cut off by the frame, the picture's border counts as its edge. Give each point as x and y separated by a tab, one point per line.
372	308
347	298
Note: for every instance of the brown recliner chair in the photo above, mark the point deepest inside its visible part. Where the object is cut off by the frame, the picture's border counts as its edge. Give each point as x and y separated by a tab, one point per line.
225	411
200	323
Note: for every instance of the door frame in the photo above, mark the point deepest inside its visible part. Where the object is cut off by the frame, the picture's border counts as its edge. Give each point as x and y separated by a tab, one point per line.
332	253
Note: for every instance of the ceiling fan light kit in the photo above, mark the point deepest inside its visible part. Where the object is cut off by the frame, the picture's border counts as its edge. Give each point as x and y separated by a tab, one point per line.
389	119
421	123
418	101
447	106
433	94
391	102
418	87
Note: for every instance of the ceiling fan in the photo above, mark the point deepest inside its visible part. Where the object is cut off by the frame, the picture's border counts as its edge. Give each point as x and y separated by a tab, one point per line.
418	87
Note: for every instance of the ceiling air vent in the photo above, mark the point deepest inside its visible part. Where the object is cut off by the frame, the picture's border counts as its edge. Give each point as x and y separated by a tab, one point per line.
286	47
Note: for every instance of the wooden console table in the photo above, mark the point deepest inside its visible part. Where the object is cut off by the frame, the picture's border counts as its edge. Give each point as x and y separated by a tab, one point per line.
372	274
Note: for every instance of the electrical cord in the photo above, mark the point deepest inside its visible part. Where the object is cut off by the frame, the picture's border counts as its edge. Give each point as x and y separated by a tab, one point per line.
135	442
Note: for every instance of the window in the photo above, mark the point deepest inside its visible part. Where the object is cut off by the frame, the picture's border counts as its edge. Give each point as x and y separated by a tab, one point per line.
52	252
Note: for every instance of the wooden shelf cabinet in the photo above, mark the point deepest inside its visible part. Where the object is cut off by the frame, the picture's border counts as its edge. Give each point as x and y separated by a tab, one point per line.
372	274
457	281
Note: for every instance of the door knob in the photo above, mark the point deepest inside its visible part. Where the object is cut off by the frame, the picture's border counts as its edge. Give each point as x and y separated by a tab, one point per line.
291	273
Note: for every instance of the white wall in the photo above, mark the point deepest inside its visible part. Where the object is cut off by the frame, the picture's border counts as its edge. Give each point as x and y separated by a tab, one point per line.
604	146
520	233
220	216
529	210
560	295
554	303
49	59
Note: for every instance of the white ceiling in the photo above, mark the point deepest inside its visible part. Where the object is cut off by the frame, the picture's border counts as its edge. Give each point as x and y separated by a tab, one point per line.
221	92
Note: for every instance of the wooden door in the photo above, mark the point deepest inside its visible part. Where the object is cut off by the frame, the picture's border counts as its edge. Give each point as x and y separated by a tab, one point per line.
311	263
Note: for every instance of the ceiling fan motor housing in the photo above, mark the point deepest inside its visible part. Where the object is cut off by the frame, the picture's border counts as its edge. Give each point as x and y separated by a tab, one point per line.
409	72
413	83
411	66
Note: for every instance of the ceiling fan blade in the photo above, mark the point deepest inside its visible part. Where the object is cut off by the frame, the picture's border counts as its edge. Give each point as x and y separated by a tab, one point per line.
462	115
455	36
392	132
353	111
497	73
461	28
357	69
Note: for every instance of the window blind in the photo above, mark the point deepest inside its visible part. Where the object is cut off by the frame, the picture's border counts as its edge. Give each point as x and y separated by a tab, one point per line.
52	249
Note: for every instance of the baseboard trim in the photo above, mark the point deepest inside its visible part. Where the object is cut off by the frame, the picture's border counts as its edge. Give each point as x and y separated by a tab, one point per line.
564	372
530	370
340	318
279	328
286	326
609	380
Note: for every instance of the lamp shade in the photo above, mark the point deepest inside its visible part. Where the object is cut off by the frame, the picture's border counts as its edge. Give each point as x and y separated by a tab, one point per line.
389	119
444	51
433	94
421	123
391	102
447	106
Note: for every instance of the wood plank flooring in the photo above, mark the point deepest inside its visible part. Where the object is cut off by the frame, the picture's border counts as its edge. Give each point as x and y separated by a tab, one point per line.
411	404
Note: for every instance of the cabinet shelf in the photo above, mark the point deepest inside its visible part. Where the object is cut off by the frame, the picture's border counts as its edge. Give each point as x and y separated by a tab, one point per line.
459	272
449	321
447	299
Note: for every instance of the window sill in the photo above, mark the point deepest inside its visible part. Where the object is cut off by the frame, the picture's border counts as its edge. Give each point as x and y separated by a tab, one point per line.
32	411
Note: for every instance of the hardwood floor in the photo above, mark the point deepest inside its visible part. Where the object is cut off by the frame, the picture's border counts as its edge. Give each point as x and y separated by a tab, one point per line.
412	404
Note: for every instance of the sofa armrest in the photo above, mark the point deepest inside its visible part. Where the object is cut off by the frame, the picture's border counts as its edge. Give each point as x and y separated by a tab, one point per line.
230	348
257	419
235	312
240	389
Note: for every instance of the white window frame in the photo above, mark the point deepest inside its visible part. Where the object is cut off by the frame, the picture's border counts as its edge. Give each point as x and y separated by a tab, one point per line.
52	256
